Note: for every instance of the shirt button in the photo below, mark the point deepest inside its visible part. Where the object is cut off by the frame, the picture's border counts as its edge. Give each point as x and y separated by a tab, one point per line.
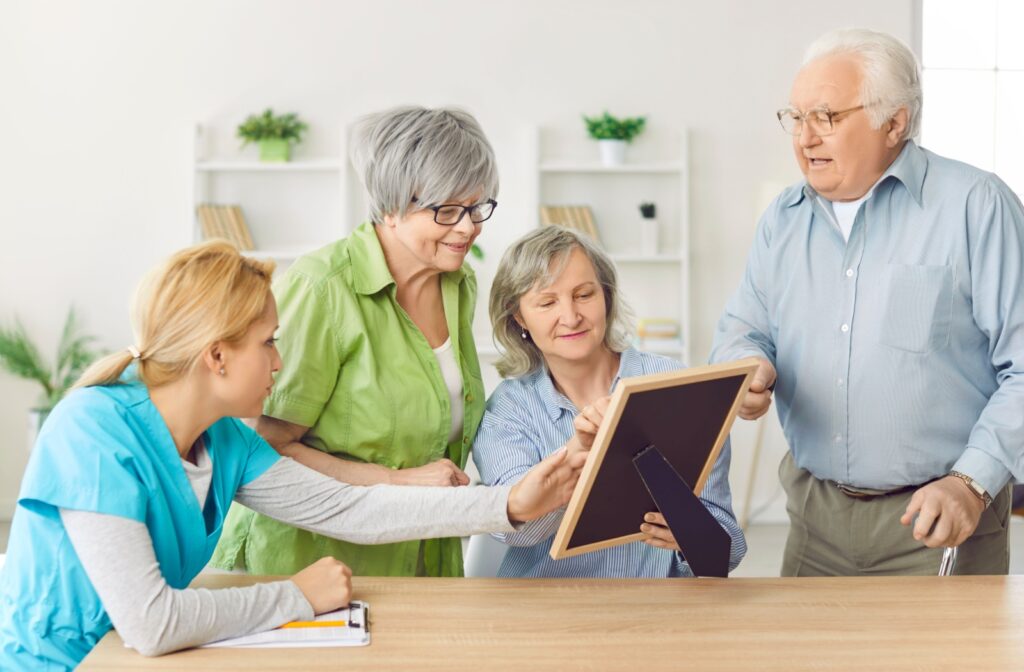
839	382
837	438
469	398
845	328
849	272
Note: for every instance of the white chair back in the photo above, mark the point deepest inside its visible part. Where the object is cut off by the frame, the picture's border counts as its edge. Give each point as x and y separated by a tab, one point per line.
484	556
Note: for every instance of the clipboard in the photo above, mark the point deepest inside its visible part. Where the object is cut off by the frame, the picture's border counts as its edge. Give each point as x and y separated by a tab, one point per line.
344	627
655	450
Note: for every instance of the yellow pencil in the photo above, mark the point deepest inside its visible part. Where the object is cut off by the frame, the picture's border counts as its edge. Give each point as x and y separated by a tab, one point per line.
315	624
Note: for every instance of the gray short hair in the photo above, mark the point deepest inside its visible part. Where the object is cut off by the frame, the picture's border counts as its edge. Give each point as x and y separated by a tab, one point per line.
536	260
432	156
892	75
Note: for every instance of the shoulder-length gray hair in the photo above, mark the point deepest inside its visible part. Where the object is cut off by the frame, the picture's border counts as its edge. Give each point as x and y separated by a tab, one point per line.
536	260
432	156
892	76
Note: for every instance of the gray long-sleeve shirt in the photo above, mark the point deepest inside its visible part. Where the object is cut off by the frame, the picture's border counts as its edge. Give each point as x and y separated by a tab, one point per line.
117	553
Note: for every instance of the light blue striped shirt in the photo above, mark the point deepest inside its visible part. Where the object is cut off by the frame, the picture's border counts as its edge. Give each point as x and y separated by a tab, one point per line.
526	420
900	354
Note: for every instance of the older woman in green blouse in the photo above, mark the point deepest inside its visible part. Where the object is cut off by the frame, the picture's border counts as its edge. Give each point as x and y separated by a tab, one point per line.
384	385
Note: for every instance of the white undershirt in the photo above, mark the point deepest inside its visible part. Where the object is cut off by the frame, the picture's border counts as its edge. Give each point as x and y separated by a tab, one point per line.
846	212
453	381
199	474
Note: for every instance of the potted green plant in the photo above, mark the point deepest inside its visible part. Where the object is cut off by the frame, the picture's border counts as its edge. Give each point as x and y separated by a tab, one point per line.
20	357
275	134
612	134
648	229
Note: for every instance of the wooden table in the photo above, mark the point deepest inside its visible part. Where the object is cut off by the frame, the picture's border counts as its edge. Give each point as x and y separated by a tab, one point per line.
905	623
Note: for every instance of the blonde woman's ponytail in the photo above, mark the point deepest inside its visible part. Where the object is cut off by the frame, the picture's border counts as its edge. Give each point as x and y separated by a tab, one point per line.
106	371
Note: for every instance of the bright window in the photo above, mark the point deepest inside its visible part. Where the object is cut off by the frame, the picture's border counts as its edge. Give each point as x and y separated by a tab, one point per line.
973	61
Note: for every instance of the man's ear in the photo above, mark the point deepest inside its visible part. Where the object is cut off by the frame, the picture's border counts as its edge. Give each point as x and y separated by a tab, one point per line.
897	127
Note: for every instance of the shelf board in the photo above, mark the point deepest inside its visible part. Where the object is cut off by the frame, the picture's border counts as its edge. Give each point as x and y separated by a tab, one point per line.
666	167
235	166
487	351
646	258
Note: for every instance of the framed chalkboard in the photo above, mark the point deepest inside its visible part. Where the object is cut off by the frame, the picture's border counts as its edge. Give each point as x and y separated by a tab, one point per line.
683	415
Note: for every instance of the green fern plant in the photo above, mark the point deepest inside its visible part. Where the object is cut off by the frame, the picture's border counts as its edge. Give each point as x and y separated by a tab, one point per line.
268	126
20	357
607	127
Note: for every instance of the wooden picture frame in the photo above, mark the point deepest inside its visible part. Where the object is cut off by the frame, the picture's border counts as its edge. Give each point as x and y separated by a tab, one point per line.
685	414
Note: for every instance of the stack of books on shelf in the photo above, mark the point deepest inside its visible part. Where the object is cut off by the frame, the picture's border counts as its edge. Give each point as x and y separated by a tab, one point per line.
227	222
657	335
576	217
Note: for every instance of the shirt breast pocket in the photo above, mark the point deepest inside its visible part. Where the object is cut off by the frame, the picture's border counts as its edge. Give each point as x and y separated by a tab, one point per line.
918	308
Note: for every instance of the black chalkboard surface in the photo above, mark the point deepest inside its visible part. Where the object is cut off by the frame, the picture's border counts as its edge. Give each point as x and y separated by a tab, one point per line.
686	415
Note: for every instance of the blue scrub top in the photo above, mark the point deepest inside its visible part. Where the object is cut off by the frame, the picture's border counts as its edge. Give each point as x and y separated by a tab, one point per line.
108	450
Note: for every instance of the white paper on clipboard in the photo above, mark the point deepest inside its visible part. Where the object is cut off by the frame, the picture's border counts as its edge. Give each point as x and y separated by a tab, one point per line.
344	627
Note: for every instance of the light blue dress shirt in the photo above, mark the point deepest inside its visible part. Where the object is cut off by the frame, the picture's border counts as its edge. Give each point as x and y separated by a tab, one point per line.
526	420
900	354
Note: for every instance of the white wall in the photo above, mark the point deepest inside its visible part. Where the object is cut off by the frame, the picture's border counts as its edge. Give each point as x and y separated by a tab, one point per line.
100	94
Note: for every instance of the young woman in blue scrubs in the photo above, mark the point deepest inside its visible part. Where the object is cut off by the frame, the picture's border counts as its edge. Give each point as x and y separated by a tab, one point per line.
123	500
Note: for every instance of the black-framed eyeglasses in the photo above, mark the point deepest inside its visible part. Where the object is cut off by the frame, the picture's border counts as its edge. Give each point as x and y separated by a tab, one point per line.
821	120
450	214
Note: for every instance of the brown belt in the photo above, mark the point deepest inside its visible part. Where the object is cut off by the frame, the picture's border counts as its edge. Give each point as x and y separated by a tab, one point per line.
858	494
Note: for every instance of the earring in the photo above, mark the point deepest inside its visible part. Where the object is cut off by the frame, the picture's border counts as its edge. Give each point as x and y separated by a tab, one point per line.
525	334
221	372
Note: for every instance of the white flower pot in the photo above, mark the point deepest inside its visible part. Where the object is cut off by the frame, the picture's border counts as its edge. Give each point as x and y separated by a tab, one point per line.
648	236
613	152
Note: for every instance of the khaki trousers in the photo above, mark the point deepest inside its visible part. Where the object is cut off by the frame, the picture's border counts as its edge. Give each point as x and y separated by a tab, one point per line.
833	534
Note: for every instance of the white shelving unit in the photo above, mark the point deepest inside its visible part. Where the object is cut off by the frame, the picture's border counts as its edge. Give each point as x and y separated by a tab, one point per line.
291	208
655	286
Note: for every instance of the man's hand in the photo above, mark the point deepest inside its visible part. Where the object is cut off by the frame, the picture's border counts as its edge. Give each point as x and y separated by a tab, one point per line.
948	512
758	398
587	423
442	473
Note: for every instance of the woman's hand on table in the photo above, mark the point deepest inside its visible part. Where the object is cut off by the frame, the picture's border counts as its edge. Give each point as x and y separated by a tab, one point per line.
326	584
443	472
547	486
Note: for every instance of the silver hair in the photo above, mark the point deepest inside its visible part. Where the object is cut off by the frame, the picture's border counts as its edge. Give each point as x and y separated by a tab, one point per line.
410	157
536	260
892	75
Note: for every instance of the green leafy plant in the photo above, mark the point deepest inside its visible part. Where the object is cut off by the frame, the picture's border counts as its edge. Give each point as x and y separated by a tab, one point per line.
607	127
268	126
20	357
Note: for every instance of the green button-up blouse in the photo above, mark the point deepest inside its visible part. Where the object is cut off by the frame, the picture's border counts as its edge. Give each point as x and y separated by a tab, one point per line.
360	374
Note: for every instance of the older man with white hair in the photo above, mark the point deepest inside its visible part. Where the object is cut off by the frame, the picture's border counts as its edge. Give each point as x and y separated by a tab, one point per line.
883	294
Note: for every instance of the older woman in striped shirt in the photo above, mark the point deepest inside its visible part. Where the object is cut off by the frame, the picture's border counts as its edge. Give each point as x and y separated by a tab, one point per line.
555	310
